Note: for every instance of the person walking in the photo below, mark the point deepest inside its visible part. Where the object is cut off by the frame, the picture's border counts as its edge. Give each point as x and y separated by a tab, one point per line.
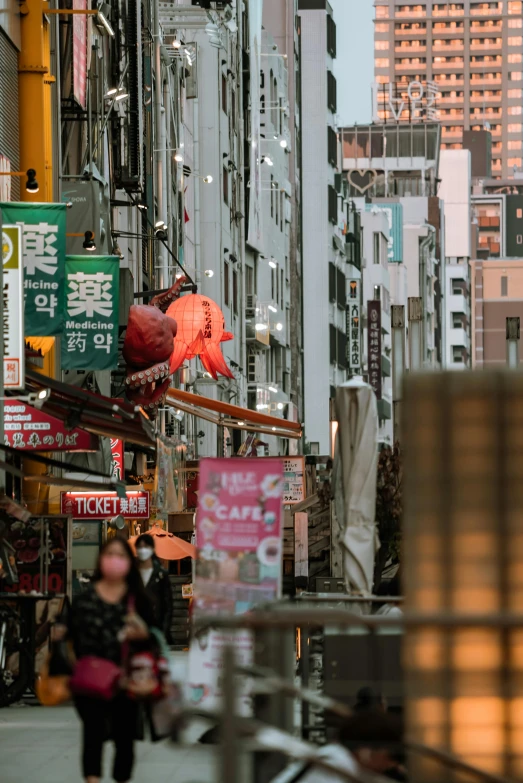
114	610
156	583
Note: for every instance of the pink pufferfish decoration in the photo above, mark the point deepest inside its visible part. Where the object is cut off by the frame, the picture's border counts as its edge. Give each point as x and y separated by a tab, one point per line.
201	329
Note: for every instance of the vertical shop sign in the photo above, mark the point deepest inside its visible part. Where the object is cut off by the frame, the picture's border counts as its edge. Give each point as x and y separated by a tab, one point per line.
374	345
239	560
353	327
90	339
117	452
43	244
13	326
80	53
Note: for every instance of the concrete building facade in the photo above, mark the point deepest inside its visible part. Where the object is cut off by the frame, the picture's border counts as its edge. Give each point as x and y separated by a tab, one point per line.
472	52
497	287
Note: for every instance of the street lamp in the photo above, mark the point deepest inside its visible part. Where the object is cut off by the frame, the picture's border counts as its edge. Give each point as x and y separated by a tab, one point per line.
31	185
36	399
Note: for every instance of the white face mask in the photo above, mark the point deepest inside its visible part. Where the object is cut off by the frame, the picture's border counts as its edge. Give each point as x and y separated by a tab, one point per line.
144	553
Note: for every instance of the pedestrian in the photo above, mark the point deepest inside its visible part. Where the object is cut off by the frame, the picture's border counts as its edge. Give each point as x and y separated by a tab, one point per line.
369	741
156	583
114	610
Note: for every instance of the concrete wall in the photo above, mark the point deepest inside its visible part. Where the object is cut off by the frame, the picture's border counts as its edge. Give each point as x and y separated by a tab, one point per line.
454	190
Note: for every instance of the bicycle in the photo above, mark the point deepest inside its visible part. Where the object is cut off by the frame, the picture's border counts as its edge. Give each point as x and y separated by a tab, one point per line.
13	641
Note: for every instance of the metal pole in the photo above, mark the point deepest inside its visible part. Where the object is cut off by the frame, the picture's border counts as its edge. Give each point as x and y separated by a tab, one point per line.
513	325
398	364
415	337
230	751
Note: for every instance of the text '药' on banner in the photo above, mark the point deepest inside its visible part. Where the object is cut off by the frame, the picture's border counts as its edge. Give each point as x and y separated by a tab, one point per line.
43	240
91	314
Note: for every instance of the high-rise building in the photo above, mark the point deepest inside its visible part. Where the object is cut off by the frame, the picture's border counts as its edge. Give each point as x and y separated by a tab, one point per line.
467	61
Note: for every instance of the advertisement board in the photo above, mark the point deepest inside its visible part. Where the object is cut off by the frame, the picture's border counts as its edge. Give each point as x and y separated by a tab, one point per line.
29	429
353	326
102	505
90	339
374	345
43	238
13	293
239	560
294	480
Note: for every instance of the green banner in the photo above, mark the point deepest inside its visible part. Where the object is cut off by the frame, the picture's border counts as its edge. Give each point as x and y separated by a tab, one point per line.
91	317
43	229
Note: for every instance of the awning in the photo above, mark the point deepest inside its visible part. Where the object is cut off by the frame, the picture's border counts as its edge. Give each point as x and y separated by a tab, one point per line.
95	413
233	416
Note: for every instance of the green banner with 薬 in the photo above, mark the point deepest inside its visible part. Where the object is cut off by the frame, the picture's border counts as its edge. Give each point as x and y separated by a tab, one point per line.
91	315
43	238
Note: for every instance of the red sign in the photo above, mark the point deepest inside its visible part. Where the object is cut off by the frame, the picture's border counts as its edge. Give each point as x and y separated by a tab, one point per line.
80	53
101	505
117	451
29	429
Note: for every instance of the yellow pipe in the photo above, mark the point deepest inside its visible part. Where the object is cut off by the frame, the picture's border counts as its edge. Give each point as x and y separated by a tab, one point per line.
35	115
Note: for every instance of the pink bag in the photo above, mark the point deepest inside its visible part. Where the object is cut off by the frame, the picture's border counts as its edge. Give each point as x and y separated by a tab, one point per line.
95	677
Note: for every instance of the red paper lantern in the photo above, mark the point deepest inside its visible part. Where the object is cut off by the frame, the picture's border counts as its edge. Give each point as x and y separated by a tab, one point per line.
201	329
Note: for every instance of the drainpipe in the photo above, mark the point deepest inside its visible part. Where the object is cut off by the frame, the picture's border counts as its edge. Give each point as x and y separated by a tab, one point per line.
159	135
398	364
197	181
415	336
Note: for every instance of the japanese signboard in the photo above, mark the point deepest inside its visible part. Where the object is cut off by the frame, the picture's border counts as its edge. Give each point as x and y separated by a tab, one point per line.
29	429
43	242
353	327
101	505
293	480
90	340
80	53
13	327
419	102
42	551
374	345
239	565
117	455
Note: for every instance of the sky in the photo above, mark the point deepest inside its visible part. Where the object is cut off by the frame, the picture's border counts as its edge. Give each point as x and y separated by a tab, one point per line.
354	64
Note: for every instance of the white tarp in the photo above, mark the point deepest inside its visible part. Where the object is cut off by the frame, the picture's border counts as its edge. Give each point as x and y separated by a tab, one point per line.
355	472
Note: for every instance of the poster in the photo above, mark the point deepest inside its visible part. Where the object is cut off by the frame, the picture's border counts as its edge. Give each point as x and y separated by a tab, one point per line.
239	560
294	480
80	53
43	239
42	551
255	227
13	286
90	339
374	345
29	429
117	459
102	505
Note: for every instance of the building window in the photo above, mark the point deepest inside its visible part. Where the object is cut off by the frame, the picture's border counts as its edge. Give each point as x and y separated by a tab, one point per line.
235	297
515	40
515	93
457	354
515	110
514	6
233	110
249	280
457	287
382	46
226	185
382	27
514	58
381	62
282	289
504	286
515	23
332	146
516	76
226	294
333	205
224	93
332	101
457	321
331	36
514	127
516	162
519	214
376	248
382	12
272	196
519	239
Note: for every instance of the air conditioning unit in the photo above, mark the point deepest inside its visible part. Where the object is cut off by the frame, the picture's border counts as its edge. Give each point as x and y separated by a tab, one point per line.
250	305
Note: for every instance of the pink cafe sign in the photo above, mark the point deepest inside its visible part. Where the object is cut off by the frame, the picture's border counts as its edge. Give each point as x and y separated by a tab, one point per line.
29	429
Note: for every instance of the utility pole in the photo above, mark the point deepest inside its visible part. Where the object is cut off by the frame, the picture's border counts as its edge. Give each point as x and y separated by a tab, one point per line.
398	364
415	333
513	332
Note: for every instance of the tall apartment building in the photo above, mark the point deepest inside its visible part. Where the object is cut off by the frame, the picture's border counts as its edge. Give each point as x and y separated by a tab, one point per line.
473	52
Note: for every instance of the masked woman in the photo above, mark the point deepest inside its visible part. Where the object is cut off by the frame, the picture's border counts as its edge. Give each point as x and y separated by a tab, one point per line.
156	583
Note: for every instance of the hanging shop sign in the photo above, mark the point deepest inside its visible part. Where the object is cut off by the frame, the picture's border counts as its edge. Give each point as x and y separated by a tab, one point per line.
13	326
90	339
80	53
117	457
101	505
43	243
239	565
29	429
374	345
353	327
293	480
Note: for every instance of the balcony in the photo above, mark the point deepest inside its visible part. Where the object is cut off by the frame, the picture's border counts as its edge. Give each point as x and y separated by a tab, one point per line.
459	338
453	99
400	67
486	11
410	50
483	80
410	14
488	222
404	33
447	47
448	12
487	47
450	83
458	303
488	99
481	28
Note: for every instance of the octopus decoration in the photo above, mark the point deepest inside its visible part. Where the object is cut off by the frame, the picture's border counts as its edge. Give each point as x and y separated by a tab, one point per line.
162	334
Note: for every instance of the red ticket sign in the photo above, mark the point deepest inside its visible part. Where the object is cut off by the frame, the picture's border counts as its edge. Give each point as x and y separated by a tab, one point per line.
29	429
101	505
